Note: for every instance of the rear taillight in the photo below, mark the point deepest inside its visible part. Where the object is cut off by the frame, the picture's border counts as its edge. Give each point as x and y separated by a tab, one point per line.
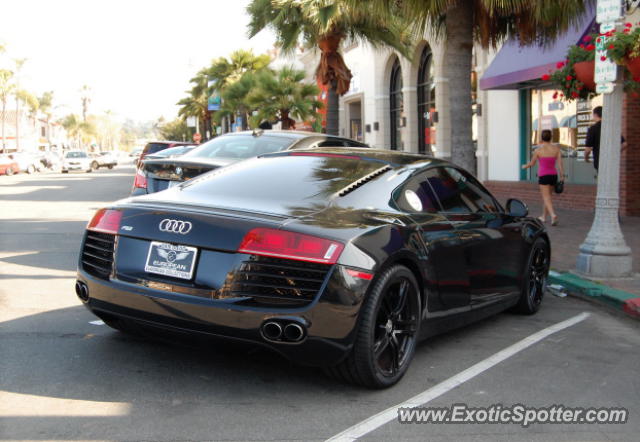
106	221
283	244
140	181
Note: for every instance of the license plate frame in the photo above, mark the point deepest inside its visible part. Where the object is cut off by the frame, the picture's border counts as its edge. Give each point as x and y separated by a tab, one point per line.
166	259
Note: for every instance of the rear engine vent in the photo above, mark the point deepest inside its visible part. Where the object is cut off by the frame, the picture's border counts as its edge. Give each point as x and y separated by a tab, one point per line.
365	179
97	254
276	280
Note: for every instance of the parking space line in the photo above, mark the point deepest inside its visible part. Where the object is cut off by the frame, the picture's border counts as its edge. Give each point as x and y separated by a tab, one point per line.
380	419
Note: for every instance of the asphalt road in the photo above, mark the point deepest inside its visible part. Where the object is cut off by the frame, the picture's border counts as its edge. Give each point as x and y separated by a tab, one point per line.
64	378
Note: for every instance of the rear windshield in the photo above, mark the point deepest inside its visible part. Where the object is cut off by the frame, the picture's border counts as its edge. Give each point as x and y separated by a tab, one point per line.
154	147
287	184
240	146
75	155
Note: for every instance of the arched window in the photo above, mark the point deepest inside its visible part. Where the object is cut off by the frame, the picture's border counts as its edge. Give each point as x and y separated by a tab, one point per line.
426	102
396	105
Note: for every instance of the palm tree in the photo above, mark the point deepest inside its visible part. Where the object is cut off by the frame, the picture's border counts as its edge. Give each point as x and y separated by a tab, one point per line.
224	72
45	102
7	88
282	94
235	102
78	129
18	93
325	24
461	23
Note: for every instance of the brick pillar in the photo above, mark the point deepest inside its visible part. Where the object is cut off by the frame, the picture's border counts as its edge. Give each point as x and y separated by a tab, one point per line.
630	158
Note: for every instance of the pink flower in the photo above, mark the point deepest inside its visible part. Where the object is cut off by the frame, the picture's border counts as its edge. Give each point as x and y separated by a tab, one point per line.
627	25
574	94
560	65
612	46
569	78
555	95
626	31
546	77
603	58
591	48
586	38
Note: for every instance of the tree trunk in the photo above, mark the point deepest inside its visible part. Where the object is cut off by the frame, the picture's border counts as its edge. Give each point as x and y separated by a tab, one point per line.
459	23
284	117
17	124
4	113
332	109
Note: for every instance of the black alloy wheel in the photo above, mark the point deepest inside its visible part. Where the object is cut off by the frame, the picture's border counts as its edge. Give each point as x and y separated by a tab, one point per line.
387	332
535	278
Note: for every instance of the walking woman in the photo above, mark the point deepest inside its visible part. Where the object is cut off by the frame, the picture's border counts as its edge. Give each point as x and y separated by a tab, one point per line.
547	154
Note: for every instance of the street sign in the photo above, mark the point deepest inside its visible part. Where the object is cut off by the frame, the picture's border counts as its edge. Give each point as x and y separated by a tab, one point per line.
606	69
604	88
608	11
191	121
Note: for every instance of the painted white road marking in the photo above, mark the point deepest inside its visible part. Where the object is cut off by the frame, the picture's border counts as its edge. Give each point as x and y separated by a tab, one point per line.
390	414
98	322
31	405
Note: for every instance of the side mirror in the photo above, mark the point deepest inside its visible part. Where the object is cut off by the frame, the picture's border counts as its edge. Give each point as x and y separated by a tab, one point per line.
517	208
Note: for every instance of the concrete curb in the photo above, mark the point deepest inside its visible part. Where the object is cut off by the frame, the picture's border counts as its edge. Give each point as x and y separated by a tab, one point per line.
626	302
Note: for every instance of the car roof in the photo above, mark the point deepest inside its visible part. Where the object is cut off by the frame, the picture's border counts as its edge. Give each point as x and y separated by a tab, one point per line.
296	134
393	158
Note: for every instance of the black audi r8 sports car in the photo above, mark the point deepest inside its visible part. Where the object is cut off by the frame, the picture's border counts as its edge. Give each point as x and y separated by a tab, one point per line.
156	174
340	258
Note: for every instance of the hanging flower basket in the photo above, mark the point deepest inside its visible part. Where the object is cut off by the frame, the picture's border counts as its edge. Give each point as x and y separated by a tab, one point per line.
633	64
585	73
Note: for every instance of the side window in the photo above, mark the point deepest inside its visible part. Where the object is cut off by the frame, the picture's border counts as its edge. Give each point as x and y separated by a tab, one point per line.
470	193
331	142
417	196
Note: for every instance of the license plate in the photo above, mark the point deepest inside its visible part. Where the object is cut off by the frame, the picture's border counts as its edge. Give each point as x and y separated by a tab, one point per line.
171	260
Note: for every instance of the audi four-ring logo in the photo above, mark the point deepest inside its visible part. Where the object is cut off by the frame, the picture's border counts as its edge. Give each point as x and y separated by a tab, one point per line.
175	226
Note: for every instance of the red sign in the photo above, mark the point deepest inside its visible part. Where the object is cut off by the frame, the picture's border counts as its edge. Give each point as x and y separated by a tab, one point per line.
197	137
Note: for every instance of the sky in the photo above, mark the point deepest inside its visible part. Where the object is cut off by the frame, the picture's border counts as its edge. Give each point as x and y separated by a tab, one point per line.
137	56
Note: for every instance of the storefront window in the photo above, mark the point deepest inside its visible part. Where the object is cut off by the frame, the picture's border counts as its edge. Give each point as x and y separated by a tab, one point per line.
568	122
426	103
397	106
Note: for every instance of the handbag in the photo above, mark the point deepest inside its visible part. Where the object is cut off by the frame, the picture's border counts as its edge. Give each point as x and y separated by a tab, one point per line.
559	187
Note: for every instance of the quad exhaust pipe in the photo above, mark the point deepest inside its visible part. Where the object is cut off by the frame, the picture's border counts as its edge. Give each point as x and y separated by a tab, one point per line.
283	331
82	291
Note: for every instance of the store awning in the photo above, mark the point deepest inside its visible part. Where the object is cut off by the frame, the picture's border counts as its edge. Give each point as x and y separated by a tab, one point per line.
514	65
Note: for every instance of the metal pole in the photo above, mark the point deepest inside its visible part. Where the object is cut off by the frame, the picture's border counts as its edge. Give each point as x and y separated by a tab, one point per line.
604	253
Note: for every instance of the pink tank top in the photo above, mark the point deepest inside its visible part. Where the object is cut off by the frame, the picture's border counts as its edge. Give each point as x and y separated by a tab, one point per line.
547	166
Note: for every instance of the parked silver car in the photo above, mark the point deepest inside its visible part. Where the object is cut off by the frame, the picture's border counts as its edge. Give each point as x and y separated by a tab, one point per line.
76	160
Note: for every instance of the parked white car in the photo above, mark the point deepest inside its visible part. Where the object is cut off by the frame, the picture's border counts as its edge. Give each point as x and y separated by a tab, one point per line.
76	160
28	162
107	159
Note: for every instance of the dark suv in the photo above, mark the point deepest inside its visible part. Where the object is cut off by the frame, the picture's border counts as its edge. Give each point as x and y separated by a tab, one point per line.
156	146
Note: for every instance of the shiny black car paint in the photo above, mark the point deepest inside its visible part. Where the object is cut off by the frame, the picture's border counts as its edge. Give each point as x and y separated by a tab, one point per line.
468	266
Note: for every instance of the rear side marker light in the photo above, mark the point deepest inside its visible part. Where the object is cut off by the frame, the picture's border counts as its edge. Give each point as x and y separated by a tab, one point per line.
290	245
360	275
106	221
140	181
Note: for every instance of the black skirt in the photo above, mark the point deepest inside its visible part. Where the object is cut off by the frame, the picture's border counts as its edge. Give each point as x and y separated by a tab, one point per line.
549	180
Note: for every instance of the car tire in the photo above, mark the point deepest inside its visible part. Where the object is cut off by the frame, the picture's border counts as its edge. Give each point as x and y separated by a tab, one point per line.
31	169
110	166
95	165
9	171
387	332
535	278
64	171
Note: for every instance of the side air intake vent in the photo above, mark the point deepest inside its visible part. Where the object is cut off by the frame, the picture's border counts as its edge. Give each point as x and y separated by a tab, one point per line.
365	179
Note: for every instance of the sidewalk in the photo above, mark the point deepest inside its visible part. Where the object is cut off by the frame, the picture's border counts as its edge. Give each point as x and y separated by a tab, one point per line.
566	237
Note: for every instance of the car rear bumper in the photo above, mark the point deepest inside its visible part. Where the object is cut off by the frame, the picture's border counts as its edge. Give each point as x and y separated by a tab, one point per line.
329	322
